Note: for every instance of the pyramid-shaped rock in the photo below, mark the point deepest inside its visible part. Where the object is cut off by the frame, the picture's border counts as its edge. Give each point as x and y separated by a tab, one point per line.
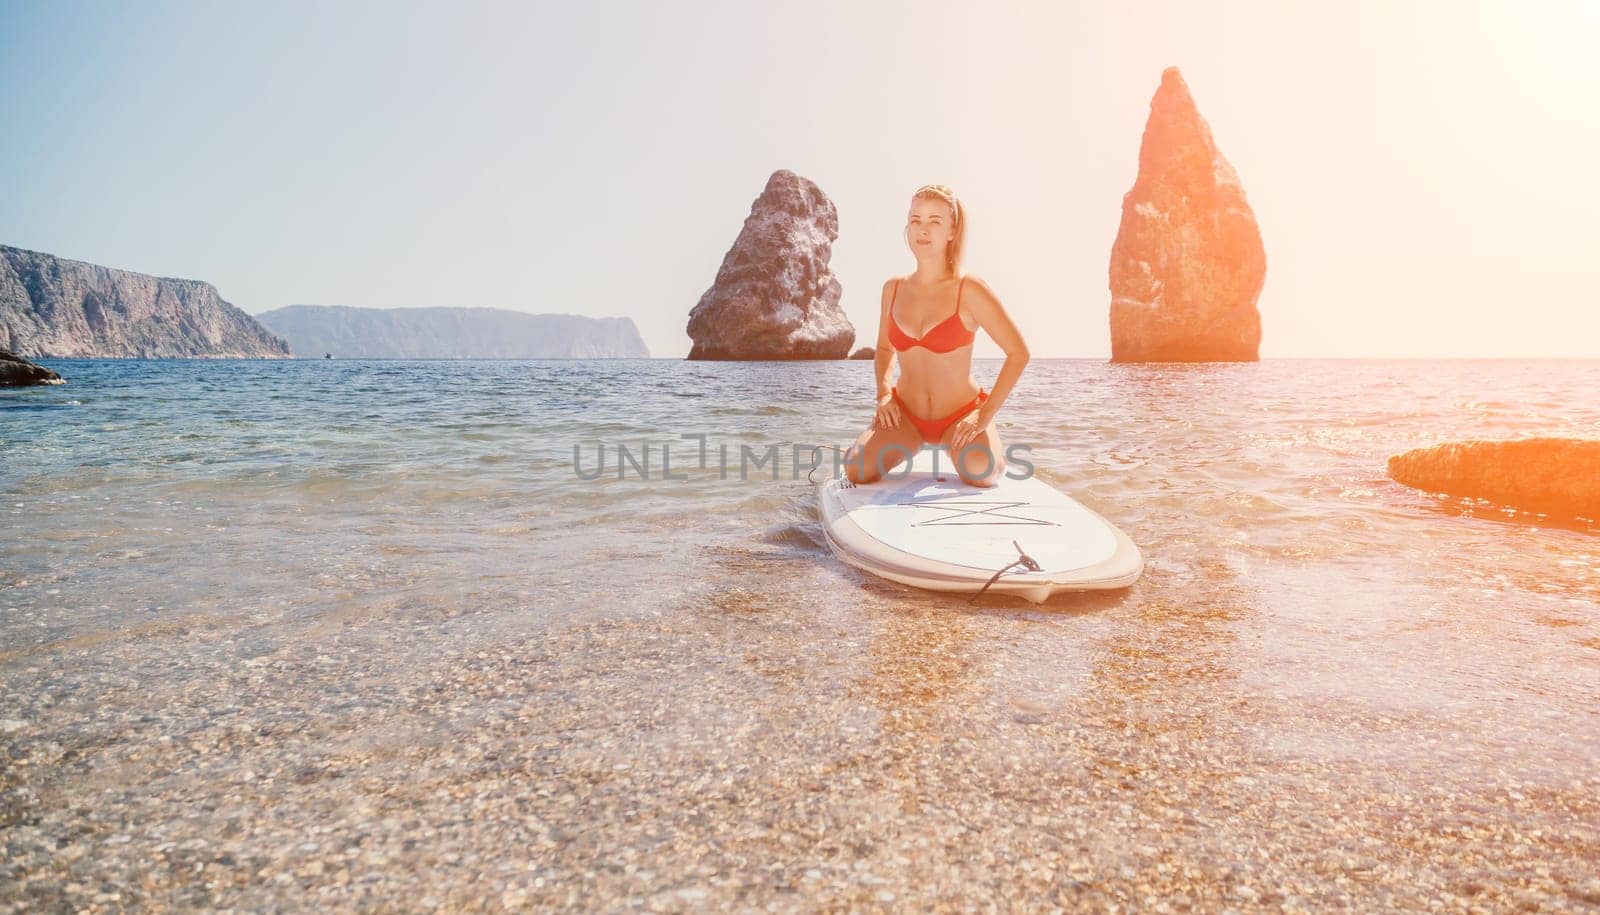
774	296
1188	264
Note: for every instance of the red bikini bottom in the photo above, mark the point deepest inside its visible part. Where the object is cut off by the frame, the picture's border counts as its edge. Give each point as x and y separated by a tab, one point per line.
932	429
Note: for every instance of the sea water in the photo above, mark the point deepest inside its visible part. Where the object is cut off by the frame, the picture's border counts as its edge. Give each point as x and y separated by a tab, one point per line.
221	573
543	488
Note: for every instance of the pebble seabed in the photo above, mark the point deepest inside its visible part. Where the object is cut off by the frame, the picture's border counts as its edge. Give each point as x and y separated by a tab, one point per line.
739	753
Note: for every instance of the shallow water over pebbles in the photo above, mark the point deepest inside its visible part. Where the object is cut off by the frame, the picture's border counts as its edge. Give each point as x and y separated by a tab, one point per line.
355	634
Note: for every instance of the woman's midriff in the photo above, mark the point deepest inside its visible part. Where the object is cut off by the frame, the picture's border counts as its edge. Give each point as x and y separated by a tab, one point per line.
931	389
933	430
928	412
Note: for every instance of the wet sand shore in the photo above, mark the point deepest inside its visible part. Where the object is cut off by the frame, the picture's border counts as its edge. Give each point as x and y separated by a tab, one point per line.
741	751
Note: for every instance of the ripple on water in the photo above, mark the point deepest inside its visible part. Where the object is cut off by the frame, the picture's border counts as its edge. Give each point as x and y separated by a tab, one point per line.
447	482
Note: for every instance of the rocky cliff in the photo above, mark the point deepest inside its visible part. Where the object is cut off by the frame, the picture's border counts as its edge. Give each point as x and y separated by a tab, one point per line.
775	297
1188	263
451	333
54	307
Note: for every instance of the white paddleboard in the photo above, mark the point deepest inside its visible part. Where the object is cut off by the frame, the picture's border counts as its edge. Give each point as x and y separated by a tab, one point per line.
933	531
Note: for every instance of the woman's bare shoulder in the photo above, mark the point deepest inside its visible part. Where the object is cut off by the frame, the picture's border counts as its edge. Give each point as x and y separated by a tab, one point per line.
978	294
974	281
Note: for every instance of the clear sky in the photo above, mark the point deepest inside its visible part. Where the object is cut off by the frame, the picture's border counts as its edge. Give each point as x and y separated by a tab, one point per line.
1424	174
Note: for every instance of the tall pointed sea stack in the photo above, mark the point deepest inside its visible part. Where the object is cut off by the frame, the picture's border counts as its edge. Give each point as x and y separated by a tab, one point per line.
1187	265
774	296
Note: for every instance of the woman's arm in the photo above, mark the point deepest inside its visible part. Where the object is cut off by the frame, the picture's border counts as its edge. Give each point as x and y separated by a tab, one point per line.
883	353
992	317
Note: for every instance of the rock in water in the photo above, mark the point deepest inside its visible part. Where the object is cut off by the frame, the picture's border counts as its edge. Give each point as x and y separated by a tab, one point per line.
16	372
774	296
865	352
51	306
1556	476
1187	264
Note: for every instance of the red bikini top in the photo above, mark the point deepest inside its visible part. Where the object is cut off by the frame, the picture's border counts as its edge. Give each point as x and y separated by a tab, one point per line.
947	335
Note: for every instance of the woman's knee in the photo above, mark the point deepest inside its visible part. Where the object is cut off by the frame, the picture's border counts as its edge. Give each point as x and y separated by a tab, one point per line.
983	481
858	463
979	466
857	472
854	467
870	460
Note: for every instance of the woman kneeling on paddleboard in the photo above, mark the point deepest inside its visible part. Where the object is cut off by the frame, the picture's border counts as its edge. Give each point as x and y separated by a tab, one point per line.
935	400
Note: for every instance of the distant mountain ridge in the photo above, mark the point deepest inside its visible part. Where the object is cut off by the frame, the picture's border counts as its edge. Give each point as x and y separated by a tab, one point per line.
451	333
52	306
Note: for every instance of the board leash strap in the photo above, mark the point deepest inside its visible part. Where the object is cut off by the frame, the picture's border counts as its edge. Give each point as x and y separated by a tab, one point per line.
816	459
1025	561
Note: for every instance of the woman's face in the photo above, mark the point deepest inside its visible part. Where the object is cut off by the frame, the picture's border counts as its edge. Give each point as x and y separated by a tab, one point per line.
928	227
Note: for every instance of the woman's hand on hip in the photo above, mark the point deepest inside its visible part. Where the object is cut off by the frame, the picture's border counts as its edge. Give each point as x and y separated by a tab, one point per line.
888	414
966	430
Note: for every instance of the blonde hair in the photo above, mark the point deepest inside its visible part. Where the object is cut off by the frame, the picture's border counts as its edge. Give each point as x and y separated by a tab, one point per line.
958	216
